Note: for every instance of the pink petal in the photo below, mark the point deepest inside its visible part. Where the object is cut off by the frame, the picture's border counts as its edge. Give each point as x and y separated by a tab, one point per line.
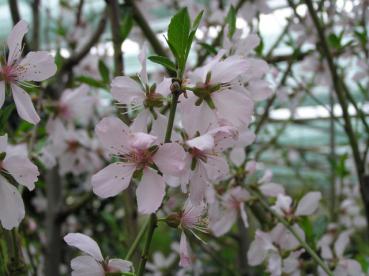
204	142
14	41
198	185
24	105
11	205
150	192
2	93
142	57
233	107
224	223
237	156
259	90
216	167
184	252
141	140
85	244
308	204
114	135
190	114
86	266
244	215
163	88
37	66
170	159
22	169
127	91
112	179
342	242
271	189
229	69
118	265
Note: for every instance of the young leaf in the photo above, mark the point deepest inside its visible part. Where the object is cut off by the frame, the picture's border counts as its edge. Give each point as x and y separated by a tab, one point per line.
231	20
104	72
5	113
91	82
178	33
166	62
195	25
126	26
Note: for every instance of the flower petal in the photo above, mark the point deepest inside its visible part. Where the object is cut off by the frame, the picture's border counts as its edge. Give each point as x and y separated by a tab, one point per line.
22	169
11	205
113	134
141	140
224	223
37	66
184	252
119	265
170	159
86	266
204	142
150	192
216	167
308	204
198	185
85	244
127	91
14	41
112	179
24	105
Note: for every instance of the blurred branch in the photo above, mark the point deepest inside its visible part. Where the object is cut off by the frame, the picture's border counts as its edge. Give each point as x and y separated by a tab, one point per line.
79	12
146	29
74	208
14	12
36	24
75	59
116	36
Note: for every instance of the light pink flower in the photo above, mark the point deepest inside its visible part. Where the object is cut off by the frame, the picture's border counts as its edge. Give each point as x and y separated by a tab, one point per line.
17	164
17	72
191	219
206	160
233	204
93	262
136	151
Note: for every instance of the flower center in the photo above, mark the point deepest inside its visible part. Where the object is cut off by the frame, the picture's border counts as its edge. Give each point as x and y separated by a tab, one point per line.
8	73
73	145
141	158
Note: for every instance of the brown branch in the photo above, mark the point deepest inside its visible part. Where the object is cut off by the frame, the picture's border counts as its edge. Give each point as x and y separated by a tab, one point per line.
75	59
116	36
36	24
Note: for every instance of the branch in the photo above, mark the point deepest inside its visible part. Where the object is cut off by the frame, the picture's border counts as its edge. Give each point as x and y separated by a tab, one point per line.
116	36
146	29
74	60
36	24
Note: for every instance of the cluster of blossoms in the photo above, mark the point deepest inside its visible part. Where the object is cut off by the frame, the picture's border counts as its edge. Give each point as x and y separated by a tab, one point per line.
181	144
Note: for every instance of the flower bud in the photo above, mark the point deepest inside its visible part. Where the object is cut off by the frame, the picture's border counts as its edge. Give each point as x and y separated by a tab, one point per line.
173	220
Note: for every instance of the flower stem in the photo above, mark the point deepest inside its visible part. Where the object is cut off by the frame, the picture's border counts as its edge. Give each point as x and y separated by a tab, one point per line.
145	252
134	245
172	113
304	244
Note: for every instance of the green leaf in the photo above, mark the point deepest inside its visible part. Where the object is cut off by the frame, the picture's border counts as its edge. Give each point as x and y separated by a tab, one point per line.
334	41
209	48
231	20
126	25
178	33
91	82
104	72
195	25
166	62
5	113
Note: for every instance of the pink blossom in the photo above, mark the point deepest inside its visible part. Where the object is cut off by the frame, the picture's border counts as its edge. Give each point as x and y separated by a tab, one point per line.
17	164
17	72
93	262
233	204
136	151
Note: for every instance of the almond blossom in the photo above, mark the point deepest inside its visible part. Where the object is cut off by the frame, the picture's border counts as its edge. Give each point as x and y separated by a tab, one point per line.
233	204
136	151
93	263
17	72
14	161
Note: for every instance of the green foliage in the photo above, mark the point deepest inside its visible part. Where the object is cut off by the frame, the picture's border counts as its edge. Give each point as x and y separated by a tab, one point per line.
126	25
231	21
91	81
181	35
5	113
104	72
166	62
